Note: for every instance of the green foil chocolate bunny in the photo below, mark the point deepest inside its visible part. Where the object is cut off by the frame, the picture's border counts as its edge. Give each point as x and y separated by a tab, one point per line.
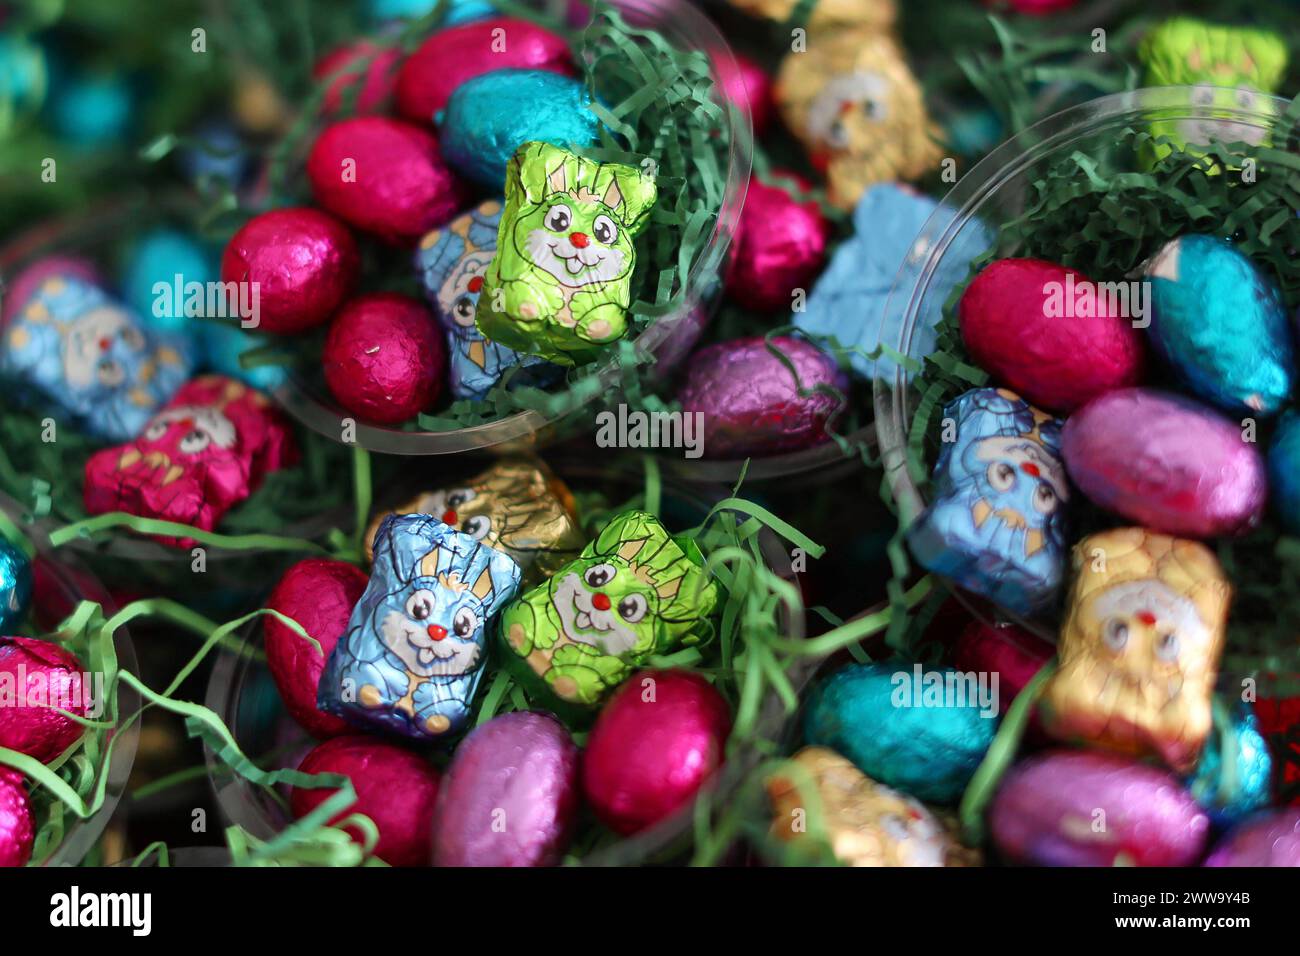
560	283
633	592
1229	68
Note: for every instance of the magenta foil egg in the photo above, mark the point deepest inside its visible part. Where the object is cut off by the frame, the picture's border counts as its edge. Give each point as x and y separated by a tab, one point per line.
1166	462
384	357
301	262
384	176
319	594
17	827
44	678
1086	808
1270	838
657	741
1051	334
753	403
780	249
749	88
510	796
396	788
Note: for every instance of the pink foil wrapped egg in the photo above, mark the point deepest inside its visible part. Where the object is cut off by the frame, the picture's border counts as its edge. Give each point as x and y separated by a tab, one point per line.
780	247
396	788
749	88
384	176
304	264
17	826
1166	462
510	796
346	66
1011	652
319	594
384	357
450	57
656	742
1049	333
1085	808
44	678
751	402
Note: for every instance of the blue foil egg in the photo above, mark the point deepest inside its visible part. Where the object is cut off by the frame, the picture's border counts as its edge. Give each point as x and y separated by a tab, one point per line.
490	116
91	109
15	587
1220	324
1233	788
457	11
23	73
920	730
158	264
1284	472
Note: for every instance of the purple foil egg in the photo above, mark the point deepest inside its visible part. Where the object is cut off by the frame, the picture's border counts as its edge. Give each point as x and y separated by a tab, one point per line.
752	405
1271	838
1085	808
510	796
1166	462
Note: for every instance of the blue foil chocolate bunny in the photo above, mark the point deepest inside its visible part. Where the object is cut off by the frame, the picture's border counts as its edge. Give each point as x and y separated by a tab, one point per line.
414	650
91	357
996	525
451	262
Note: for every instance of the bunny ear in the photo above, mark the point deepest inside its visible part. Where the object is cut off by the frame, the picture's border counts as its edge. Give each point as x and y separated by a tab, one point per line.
429	563
557	180
483	586
613	197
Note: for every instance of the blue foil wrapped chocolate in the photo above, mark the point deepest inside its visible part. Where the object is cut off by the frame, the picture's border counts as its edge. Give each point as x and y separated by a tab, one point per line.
414	651
450	262
1284	471
847	304
1220	324
1235	772
996	524
486	120
92	358
15	587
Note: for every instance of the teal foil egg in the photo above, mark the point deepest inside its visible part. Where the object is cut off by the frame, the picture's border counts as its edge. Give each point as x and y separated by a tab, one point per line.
1220	324
920	730
156	278
1232	789
492	115
1284	472
15	587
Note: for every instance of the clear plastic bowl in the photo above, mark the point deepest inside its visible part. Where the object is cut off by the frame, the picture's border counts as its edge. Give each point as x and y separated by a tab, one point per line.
242	692
668	338
994	192
62	584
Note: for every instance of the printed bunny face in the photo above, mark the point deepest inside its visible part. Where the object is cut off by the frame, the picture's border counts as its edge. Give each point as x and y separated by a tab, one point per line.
1140	646
857	108
92	358
560	283
516	506
997	522
415	646
206	451
452	263
635	591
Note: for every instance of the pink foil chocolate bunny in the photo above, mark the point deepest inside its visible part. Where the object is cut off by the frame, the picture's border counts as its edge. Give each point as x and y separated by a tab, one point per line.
206	451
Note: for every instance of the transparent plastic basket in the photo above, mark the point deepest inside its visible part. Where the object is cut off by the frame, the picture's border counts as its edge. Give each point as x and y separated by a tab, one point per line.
242	691
667	339
992	193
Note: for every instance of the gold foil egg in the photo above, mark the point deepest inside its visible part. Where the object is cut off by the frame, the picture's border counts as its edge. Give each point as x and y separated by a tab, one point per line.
1140	646
875	14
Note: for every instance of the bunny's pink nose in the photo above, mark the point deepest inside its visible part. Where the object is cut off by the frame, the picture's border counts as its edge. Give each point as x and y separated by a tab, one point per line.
476	284
600	601
437	631
105	343
579	240
1146	617
449	517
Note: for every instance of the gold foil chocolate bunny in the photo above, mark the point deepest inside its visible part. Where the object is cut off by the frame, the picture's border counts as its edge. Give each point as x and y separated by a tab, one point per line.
1140	646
